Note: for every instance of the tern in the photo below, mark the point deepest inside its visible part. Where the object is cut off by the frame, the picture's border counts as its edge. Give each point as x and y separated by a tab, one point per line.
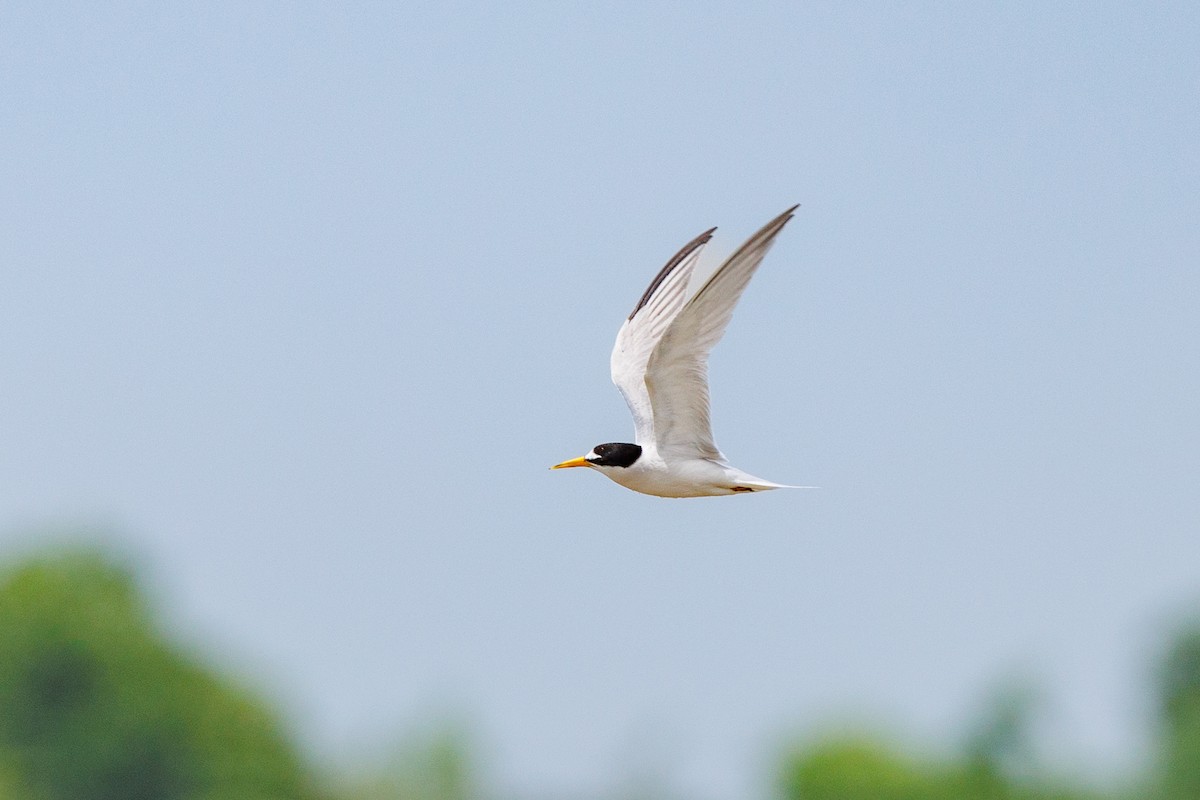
660	366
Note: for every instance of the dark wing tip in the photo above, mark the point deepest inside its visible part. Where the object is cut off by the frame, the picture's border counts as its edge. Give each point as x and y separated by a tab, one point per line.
762	238
785	216
773	227
675	261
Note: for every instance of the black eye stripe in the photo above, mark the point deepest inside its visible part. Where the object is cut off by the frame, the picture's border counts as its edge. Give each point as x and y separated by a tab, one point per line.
616	454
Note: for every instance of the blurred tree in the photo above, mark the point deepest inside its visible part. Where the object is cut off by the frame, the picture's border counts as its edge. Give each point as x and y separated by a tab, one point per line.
864	768
999	745
868	768
96	704
1000	755
1179	708
431	765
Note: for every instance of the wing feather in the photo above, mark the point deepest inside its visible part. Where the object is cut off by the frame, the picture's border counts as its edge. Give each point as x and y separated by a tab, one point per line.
636	340
676	375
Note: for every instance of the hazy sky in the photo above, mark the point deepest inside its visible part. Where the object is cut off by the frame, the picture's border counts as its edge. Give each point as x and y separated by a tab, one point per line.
300	301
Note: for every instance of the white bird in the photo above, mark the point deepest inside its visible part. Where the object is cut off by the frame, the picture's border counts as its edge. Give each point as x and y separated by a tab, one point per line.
660	365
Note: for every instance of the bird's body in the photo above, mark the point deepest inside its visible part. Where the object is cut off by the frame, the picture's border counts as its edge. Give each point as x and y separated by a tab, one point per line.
660	365
686	477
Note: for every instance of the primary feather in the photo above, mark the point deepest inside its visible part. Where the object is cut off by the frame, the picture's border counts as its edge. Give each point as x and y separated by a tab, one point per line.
660	360
638	336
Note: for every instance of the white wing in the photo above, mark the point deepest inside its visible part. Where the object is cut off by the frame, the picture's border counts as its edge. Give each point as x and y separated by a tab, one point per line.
677	371
637	338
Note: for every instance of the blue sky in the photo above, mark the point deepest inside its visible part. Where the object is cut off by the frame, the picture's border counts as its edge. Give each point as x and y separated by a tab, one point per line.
300	301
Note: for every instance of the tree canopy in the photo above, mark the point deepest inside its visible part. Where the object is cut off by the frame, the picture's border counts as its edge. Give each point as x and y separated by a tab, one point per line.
97	704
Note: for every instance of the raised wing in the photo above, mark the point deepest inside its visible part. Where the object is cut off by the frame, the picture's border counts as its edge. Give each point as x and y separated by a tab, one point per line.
637	338
677	370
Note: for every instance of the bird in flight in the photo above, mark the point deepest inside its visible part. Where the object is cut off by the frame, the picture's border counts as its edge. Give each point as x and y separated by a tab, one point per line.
660	365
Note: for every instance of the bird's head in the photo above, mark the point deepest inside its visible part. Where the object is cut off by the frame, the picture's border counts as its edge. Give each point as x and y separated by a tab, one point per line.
613	454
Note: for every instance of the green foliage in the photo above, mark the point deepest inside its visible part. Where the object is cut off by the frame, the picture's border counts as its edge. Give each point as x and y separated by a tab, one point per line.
868	768
95	704
861	768
1179	707
998	762
436	765
999	744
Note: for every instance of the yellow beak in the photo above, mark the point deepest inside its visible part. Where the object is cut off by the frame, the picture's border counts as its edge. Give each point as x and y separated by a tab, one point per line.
574	462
